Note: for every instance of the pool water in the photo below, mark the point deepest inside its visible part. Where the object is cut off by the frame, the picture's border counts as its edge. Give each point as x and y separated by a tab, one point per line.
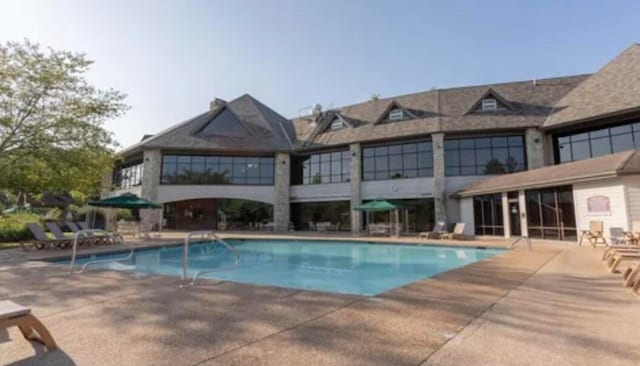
331	266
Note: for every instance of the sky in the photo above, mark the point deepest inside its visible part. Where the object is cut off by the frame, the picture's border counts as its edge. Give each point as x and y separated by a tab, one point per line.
172	58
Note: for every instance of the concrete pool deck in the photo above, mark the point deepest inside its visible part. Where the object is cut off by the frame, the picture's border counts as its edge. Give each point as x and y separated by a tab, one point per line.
557	305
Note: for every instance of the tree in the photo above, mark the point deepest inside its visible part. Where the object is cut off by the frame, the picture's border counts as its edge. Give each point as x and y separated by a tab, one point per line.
51	122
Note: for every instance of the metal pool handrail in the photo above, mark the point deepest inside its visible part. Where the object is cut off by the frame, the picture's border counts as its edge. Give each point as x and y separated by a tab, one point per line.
87	233
526	239
205	234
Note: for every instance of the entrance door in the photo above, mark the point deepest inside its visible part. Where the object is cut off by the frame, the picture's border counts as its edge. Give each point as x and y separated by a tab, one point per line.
514	214
514	218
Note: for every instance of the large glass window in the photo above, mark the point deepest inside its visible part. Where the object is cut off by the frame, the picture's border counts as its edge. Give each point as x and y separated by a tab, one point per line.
210	169
484	155
551	213
327	167
408	160
598	142
487	211
128	175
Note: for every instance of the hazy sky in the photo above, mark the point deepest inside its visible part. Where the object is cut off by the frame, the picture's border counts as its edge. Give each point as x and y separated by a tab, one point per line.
173	57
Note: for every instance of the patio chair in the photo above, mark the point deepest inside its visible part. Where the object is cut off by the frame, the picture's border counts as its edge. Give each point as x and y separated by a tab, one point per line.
312	226
458	230
438	229
15	315
632	274
633	236
59	234
617	236
90	238
42	240
594	234
614	261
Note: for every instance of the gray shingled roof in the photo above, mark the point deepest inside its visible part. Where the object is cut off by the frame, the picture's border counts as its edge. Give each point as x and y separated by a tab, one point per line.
613	89
262	130
444	110
608	166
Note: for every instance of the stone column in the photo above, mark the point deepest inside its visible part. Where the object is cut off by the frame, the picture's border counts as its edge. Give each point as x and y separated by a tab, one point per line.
534	142
439	187
356	178
522	207
151	170
281	202
152	166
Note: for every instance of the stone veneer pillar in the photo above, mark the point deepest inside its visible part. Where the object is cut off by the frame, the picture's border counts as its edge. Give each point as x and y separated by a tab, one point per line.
534	142
356	178
151	170
281	200
439	200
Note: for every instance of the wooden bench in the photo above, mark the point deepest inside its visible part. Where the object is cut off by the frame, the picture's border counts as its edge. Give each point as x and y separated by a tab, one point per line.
14	315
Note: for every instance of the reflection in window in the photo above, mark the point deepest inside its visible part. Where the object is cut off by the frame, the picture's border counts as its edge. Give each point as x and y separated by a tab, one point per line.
598	142
550	213
396	161
487	211
484	155
205	169
129	175
328	167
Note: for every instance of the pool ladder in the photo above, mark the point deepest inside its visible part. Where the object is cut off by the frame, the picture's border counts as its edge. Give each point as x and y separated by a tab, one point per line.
87	233
527	241
203	235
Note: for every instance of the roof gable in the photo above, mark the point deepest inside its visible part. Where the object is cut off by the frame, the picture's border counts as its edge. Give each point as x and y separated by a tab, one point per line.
501	103
384	116
224	123
614	89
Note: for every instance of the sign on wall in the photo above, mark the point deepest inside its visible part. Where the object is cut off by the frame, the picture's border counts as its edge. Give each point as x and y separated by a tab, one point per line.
598	205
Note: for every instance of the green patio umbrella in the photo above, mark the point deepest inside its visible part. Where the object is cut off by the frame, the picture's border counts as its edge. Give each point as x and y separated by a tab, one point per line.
379	205
127	200
382	205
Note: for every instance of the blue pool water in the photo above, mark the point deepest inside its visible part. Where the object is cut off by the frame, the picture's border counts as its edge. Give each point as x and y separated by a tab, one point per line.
332	266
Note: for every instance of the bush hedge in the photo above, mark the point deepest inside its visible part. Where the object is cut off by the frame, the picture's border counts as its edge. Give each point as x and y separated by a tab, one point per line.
13	227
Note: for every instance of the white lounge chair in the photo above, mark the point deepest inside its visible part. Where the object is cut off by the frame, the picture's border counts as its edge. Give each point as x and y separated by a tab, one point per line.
438	229
15	315
458	230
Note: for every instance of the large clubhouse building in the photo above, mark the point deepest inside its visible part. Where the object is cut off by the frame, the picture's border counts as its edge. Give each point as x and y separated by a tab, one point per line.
539	158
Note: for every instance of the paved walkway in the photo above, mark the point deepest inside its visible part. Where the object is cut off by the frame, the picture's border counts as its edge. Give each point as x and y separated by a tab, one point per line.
554	306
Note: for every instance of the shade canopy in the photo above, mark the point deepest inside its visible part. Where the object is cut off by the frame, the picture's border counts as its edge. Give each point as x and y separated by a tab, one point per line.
126	200
379	205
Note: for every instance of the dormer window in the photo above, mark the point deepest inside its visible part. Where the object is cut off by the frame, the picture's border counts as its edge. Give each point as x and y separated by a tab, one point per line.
396	114
489	104
337	124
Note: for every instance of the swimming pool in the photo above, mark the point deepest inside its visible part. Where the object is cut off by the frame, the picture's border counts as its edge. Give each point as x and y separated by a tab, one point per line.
333	266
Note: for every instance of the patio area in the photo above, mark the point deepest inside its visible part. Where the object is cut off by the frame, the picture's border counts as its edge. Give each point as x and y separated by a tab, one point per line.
556	305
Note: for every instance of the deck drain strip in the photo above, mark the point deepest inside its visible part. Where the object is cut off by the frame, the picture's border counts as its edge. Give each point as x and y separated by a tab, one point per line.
449	339
284	330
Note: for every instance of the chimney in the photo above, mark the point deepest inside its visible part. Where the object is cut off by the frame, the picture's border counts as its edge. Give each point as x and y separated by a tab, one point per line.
216	103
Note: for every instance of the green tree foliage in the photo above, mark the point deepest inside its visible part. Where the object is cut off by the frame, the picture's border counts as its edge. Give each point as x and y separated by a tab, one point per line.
51	122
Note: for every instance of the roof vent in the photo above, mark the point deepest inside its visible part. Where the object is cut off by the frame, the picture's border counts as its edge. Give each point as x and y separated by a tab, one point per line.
216	103
317	109
535	81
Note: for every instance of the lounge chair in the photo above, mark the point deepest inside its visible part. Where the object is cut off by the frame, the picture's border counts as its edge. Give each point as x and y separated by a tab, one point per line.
594	234
631	274
58	234
458	230
614	261
438	229
99	238
42	240
633	236
14	315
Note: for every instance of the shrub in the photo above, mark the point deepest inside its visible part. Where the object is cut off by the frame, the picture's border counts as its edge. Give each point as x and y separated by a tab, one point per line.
13	227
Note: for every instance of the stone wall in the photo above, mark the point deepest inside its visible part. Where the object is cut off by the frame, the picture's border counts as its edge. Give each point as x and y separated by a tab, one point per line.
439	199
534	142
